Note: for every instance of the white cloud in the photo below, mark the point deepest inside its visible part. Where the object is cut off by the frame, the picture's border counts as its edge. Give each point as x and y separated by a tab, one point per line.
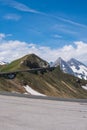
70	22
78	51
2	35
11	50
12	17
57	36
19	6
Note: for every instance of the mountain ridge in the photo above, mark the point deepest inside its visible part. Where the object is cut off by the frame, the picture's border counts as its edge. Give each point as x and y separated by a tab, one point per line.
73	67
3	63
53	83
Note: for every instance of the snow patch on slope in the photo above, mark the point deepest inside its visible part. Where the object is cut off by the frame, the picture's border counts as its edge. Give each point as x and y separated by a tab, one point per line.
32	91
84	87
81	68
81	71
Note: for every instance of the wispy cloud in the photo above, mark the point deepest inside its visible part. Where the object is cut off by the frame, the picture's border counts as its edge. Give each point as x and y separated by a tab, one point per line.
22	7
3	35
70	21
12	17
64	28
19	6
57	36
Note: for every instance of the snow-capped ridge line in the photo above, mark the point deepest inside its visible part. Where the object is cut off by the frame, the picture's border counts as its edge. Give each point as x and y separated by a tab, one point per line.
73	67
2	63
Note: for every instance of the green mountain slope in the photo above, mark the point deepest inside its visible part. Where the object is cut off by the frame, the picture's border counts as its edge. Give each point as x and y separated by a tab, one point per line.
28	61
52	83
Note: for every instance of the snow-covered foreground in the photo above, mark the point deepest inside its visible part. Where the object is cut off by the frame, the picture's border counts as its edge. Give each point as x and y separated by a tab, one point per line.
33	114
32	91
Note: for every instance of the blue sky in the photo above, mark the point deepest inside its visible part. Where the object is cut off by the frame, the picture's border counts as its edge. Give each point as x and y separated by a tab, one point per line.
54	25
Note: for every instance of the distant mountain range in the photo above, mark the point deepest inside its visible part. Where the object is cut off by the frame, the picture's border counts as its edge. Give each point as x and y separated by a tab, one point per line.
3	63
52	83
72	66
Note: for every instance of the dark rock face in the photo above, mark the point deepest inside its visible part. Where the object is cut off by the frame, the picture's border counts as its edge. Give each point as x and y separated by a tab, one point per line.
33	61
31	64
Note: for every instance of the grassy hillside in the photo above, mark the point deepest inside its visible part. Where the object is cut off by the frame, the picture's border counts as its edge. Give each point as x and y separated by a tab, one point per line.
55	83
28	61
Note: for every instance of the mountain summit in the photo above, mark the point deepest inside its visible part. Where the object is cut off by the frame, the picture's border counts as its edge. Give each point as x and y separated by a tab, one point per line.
33	61
79	69
51	83
73	67
63	65
2	63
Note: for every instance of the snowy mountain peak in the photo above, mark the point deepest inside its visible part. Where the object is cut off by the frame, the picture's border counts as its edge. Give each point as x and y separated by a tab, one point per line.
58	62
75	62
63	65
73	67
2	63
79	69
